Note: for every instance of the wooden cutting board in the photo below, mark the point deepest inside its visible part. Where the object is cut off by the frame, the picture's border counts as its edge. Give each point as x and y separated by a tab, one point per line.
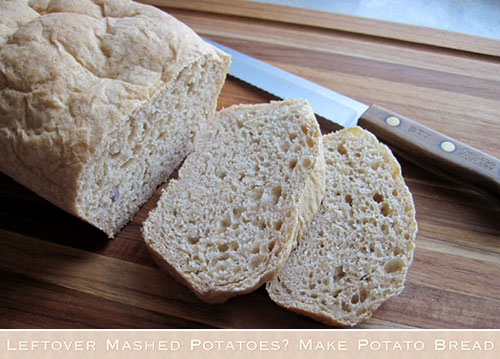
58	272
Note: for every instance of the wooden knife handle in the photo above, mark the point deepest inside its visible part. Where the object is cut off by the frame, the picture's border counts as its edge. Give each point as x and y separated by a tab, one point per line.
432	150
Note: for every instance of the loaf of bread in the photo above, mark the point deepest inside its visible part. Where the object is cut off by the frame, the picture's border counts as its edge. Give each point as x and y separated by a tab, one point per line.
359	246
242	199
100	101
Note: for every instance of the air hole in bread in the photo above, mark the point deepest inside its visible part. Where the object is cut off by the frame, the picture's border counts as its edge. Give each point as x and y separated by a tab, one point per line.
292	136
237	212
394	265
277	225
339	273
223	247
360	311
311	142
292	164
385	209
193	239
377	197
304	129
116	154
363	294
342	150
348	199
262	224
226	222
355	299
346	307
277	193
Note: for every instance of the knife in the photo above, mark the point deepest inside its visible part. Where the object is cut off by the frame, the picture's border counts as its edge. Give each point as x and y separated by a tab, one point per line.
417	143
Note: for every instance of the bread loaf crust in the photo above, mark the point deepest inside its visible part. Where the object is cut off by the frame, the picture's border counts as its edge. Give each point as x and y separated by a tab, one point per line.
71	74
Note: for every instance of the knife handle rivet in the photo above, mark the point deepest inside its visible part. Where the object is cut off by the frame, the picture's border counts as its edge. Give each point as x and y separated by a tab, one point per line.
393	121
448	146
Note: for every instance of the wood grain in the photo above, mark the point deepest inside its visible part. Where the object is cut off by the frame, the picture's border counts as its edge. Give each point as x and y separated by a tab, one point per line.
58	272
340	22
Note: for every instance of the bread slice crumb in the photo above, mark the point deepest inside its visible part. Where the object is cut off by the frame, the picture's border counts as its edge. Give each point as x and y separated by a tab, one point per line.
242	200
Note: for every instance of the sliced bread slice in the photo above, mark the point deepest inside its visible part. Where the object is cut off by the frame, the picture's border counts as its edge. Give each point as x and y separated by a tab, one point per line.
356	253
242	200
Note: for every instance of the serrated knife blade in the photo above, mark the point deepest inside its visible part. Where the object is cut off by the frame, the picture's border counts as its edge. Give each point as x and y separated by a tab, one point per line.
325	102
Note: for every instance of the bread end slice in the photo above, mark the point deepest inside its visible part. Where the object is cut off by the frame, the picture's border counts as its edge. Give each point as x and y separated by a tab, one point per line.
242	201
356	253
